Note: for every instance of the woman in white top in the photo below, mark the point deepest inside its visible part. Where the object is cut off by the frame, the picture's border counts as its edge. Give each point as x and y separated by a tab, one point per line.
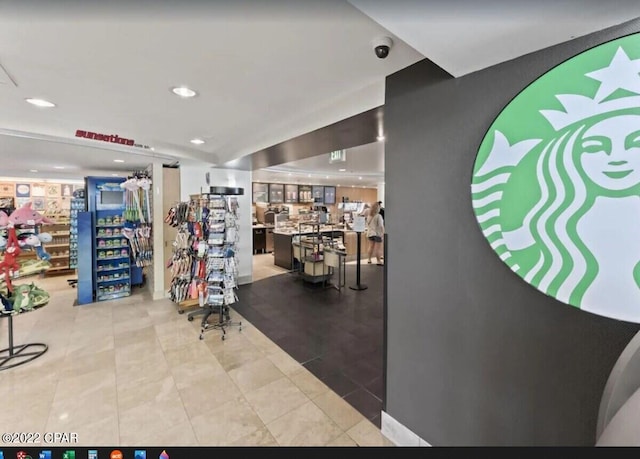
375	232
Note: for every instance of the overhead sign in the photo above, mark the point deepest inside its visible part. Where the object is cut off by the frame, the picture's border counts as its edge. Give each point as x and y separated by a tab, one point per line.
556	183
110	138
337	156
105	137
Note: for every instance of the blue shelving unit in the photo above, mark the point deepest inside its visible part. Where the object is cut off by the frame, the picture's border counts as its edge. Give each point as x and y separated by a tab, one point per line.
85	259
111	252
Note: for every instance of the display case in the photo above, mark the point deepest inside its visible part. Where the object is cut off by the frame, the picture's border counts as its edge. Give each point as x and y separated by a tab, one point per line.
291	194
308	253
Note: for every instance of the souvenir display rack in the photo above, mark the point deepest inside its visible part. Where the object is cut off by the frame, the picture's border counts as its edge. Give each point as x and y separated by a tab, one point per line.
185	262
218	291
138	222
19	299
77	205
59	248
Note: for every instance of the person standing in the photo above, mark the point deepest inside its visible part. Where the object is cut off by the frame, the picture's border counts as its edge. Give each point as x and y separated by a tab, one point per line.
365	211
375	233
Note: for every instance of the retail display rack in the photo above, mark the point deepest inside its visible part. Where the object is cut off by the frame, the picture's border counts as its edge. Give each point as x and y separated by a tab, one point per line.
204	265
216	279
111	270
318	253
77	205
113	278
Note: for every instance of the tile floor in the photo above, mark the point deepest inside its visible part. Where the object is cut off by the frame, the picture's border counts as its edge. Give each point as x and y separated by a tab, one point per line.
263	267
336	335
133	372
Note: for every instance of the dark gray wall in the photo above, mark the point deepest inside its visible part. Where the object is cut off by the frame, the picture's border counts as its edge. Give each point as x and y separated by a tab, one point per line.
475	356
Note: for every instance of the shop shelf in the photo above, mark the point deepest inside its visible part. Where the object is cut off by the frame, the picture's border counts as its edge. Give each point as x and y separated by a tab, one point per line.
112	269
119	279
113	296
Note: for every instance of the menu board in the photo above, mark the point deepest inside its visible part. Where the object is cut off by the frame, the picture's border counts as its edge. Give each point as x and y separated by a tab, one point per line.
329	194
305	193
291	194
260	192
318	193
276	193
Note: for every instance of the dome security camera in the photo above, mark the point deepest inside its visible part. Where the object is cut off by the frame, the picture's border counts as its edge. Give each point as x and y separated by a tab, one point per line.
382	46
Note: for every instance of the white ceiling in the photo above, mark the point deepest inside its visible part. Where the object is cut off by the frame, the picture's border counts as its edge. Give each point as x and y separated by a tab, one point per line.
265	72
364	166
464	36
261	78
66	159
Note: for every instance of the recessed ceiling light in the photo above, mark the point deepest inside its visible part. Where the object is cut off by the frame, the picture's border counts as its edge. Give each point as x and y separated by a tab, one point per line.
327	176
58	167
183	91
153	149
380	138
41	103
359	178
197	141
342	170
353	186
118	160
289	173
308	175
115	175
33	170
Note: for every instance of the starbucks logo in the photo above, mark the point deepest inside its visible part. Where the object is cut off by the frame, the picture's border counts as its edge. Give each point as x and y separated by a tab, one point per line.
556	183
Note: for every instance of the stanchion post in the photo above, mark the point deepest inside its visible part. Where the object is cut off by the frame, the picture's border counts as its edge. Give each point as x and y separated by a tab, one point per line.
358	285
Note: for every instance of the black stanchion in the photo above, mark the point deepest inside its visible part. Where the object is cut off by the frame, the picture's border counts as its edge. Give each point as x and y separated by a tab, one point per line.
358	285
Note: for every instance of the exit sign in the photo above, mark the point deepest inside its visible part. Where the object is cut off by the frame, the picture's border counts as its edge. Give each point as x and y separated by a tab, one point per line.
337	156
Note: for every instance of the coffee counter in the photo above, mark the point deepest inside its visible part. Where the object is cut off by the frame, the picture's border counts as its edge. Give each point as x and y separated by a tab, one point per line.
283	251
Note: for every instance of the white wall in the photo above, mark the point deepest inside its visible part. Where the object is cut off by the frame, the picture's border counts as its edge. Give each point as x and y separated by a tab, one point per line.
381	193
157	285
193	181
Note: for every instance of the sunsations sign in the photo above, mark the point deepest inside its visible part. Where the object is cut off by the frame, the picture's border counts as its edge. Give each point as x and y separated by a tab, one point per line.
556	183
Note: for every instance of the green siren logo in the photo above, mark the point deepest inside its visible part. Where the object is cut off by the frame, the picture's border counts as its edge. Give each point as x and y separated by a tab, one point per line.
556	183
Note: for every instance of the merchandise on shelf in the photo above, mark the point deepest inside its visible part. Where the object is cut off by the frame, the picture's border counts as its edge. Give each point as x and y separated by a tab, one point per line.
25	224
204	263
137	216
113	269
221	270
112	266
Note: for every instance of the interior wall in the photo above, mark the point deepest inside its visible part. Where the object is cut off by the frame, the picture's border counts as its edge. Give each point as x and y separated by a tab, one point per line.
356	194
475	356
193	181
